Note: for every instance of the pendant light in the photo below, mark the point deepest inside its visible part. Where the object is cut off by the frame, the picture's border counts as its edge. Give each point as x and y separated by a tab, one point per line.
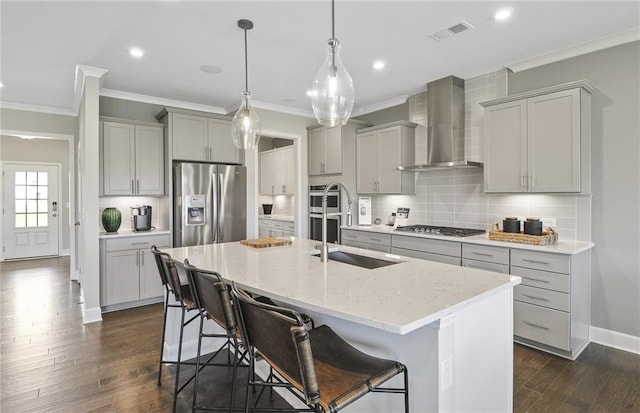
245	127
332	94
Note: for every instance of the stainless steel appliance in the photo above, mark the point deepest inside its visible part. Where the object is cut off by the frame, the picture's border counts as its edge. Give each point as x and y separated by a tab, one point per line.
437	230
315	213
141	218
209	203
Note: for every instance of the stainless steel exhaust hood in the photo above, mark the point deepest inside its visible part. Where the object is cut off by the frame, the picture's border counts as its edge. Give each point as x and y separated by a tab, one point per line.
445	127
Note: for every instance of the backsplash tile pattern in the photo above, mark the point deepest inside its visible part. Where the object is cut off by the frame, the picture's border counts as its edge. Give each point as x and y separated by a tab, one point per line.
456	198
282	204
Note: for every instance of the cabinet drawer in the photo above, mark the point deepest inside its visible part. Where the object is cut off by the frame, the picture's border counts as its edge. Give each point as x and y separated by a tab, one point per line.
543	279
133	243
541	261
544	298
496	255
368	237
446	259
428	245
544	325
483	265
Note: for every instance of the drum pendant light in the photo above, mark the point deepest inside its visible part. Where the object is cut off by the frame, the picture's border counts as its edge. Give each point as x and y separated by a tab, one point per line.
332	94
245	127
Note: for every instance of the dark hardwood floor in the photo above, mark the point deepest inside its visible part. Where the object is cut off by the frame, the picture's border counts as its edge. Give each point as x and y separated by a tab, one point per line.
51	362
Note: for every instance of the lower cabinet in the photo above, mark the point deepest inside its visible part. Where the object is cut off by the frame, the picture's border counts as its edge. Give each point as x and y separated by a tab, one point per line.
274	228
485	257
129	275
447	252
366	240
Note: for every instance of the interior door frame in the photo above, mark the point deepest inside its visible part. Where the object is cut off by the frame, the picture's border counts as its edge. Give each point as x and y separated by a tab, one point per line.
72	190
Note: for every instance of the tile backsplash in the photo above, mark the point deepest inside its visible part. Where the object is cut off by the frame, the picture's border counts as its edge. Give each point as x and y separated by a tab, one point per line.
282	204
455	197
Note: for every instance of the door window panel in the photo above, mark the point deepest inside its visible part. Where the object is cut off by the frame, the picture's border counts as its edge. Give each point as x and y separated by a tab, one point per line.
31	199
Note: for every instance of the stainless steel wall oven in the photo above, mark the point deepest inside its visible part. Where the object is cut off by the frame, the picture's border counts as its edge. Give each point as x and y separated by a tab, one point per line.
315	213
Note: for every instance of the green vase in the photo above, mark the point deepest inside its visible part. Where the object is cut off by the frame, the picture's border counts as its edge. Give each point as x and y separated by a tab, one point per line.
111	219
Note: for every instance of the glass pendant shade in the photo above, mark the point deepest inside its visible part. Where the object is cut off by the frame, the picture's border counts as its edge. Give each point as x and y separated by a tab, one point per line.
332	94
245	126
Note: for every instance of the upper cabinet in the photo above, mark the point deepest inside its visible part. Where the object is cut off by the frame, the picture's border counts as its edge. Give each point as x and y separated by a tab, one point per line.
132	159
539	141
325	151
277	171
379	152
199	138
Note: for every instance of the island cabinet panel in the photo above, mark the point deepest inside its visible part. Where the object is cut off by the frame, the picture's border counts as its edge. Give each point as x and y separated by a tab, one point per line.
379	152
448	252
366	240
552	305
539	141
268	227
128	271
200	138
132	159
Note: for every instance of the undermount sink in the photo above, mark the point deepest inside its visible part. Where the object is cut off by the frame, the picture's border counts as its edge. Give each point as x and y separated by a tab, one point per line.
358	260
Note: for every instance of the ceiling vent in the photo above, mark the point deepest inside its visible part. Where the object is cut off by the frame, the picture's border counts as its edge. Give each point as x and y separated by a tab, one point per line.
452	30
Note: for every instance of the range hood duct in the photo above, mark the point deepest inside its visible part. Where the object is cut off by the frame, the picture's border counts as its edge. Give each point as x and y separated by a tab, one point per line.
445	127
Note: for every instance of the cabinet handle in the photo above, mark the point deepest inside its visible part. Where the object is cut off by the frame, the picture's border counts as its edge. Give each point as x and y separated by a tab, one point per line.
522	185
138	259
271	188
535	261
531	183
375	239
139	243
137	186
535	297
284	189
542	280
542	326
482	254
133	186
141	258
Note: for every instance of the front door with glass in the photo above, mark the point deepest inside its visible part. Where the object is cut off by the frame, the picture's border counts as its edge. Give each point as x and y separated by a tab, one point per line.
31	210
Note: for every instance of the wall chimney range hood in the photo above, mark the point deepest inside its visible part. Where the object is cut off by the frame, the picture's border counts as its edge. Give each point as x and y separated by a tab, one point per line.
445	127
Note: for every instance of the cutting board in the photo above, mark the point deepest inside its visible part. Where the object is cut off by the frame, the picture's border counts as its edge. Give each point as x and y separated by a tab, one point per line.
266	242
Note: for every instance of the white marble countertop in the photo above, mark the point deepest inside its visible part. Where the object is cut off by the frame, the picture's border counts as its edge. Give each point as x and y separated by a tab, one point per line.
275	217
562	247
128	232
398	298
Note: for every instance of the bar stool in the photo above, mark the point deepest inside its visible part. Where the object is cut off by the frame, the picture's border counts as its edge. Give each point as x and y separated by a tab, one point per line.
213	300
327	372
185	302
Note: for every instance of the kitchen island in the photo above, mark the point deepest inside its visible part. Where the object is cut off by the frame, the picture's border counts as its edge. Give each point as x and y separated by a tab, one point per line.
452	326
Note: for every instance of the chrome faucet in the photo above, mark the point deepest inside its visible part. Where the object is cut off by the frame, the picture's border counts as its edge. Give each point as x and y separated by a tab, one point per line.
324	248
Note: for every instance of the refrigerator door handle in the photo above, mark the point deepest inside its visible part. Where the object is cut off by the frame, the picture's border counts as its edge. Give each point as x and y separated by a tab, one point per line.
220	216
213	215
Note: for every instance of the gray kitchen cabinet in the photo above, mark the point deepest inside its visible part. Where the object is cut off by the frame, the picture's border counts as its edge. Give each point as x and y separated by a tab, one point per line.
448	252
539	141
132	159
485	257
366	240
277	171
129	275
552	305
268	227
200	138
325	151
379	152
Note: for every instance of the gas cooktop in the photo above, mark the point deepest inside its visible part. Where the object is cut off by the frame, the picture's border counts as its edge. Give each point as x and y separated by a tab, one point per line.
436	230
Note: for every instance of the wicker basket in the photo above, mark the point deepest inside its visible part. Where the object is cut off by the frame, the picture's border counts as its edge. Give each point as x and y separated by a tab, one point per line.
547	238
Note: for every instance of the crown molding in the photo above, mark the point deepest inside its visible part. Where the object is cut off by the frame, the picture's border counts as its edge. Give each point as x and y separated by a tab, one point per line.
601	43
136	97
281	109
83	72
38	108
380	105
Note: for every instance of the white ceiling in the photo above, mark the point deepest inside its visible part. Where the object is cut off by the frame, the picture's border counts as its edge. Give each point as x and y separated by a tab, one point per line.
42	42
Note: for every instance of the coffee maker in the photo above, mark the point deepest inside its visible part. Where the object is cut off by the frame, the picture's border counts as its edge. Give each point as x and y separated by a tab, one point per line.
141	218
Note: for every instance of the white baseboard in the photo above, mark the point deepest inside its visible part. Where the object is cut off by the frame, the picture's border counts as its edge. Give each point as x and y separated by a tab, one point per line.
614	339
89	315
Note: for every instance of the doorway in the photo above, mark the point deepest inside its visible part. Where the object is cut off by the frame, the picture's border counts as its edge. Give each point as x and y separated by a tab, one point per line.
31	217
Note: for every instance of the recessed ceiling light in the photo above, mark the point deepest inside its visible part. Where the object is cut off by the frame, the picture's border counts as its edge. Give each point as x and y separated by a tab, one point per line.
378	64
211	69
136	52
503	13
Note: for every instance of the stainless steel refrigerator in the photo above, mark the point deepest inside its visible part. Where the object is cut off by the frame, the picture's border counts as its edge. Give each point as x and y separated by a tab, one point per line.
209	203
